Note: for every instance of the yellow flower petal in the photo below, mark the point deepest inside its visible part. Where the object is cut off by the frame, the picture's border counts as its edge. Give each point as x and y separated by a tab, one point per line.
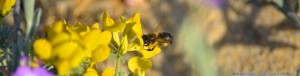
59	26
65	50
82	34
124	44
137	28
90	72
74	36
140	64
95	26
105	38
63	67
92	40
88	53
116	39
49	32
149	54
42	48
101	54
95	38
6	6
134	46
139	73
81	27
71	28
119	27
59	38
77	58
108	72
107	21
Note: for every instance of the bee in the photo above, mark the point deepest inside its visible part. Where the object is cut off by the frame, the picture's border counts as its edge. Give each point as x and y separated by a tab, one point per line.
156	39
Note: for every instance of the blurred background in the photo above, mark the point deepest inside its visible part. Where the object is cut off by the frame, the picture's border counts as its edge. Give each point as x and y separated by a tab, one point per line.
211	37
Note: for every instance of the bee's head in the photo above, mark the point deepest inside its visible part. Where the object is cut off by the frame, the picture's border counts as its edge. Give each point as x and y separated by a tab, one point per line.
167	37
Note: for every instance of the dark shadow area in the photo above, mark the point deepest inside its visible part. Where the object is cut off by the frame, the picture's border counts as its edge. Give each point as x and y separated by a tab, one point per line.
245	32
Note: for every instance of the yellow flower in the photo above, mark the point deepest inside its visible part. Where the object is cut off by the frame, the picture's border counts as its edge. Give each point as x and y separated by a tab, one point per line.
78	28
43	52
109	24
63	67
101	54
90	72
77	58
6	6
56	28
62	46
108	72
138	44
139	65
96	44
65	50
149	54
131	28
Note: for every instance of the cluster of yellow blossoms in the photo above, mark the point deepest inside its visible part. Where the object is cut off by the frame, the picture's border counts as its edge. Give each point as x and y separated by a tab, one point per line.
67	45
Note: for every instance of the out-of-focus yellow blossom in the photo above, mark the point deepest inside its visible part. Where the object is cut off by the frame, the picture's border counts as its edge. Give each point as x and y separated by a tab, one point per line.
78	28
63	67
138	66
101	54
45	51
108	72
61	47
68	44
90	72
6	7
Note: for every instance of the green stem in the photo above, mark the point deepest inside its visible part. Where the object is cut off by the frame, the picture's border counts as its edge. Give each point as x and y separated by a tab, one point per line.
118	65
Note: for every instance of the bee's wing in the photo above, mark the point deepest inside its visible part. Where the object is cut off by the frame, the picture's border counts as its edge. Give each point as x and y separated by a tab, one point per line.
162	22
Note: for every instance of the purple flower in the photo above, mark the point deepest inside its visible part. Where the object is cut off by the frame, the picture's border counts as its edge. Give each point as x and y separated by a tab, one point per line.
28	71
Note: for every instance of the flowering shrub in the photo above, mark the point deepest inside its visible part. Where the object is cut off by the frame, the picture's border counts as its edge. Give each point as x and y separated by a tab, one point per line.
75	49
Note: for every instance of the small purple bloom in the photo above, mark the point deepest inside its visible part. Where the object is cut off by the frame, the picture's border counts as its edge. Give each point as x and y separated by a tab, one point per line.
28	71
